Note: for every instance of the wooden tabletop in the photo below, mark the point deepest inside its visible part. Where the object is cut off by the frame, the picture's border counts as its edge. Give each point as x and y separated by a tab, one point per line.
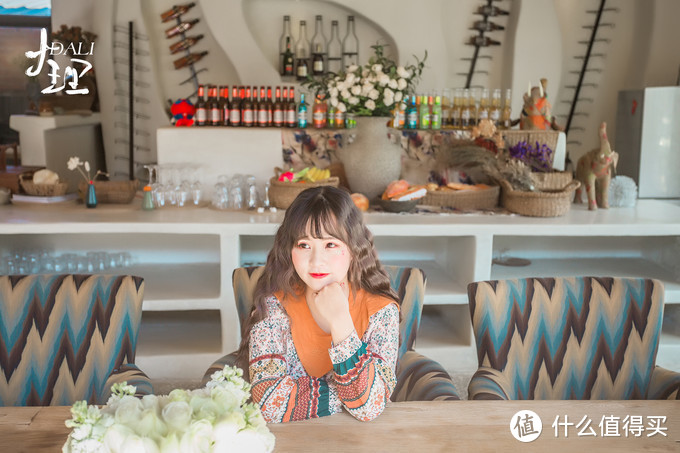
476	426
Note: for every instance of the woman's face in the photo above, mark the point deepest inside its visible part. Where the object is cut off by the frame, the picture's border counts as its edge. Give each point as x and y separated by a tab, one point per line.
320	262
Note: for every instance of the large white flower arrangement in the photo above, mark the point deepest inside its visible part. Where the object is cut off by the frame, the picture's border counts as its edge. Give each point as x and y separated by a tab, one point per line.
372	89
212	419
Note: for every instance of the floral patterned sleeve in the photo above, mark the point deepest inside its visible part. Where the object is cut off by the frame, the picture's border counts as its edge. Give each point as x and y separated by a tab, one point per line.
281	397
364	371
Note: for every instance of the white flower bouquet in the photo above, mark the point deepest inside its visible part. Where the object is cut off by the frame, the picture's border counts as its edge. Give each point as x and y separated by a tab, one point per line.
372	89
216	418
74	163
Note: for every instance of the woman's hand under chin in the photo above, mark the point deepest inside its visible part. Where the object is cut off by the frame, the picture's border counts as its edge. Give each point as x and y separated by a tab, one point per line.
330	309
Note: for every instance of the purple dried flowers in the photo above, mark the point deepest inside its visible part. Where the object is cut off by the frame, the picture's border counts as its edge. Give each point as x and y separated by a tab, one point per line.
538	157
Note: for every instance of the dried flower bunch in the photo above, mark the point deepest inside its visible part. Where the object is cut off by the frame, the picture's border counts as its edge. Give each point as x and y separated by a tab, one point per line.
69	35
372	89
75	163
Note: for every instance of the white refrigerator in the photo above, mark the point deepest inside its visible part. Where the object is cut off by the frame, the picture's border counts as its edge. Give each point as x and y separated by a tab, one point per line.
648	140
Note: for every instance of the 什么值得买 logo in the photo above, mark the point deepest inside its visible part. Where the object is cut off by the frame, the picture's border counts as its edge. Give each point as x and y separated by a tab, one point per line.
70	74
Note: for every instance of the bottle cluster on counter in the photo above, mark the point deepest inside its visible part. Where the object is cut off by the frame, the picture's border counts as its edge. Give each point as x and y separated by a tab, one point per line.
301	57
461	111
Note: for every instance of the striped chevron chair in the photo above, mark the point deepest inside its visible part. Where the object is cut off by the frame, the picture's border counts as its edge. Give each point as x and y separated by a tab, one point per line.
65	338
569	338
418	377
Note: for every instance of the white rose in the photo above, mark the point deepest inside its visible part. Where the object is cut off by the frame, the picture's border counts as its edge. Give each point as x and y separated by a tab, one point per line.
249	440
224	431
356	90
401	84
333	92
366	88
383	80
370	105
151	425
388	93
398	96
334	102
73	163
403	73
170	444
134	444
353	100
349	80
87	166
177	415
365	72
377	68
393	84
373	94
352	68
388	101
345	94
197	438
115	437
342	107
129	410
179	395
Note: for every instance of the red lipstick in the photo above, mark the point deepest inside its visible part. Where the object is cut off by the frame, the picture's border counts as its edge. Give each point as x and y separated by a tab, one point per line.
318	275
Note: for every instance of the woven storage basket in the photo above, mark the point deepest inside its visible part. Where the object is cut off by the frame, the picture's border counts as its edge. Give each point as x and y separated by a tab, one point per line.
514	136
554	180
464	200
43	190
282	194
538	204
115	192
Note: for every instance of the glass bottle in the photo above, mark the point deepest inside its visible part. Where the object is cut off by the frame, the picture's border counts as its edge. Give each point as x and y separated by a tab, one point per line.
436	115
411	113
446	108
465	111
495	110
334	49
189	59
457	108
302	112
235	108
319	53
302	53
214	108
224	98
319	111
506	121
278	110
291	111
247	116
288	60
424	113
180	28
284	45
262	109
483	111
350	45
176	11
185	43
201	114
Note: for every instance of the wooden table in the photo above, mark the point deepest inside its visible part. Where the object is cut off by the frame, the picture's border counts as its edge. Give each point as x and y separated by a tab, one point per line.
477	426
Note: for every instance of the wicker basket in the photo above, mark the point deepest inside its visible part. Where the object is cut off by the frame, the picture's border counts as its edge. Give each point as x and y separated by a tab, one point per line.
464	200
117	192
539	204
554	180
282	193
43	190
514	136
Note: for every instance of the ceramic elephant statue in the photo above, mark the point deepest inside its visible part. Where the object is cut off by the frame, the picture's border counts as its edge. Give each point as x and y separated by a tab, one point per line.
594	170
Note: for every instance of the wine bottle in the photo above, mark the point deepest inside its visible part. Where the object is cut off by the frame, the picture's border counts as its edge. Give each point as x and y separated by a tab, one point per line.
176	11
189	59
285	41
180	28
487	10
288	60
483	25
350	45
482	41
334	50
185	43
235	108
319	53
302	53
201	114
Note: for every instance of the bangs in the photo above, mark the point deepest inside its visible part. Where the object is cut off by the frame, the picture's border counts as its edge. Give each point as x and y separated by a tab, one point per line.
316	220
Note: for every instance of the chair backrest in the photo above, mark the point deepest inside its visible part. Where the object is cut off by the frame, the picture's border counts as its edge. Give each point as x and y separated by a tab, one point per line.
408	282
569	338
61	336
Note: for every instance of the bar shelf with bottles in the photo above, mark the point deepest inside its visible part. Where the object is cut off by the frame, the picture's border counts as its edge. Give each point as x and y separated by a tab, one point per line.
463	111
301	58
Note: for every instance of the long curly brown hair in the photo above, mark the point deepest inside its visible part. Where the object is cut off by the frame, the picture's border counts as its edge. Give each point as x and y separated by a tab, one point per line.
316	210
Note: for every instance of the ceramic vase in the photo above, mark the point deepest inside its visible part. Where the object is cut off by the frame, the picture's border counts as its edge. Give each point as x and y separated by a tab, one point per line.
372	161
91	196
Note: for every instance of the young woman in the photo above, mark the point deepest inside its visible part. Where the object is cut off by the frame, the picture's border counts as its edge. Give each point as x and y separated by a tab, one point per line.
324	331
